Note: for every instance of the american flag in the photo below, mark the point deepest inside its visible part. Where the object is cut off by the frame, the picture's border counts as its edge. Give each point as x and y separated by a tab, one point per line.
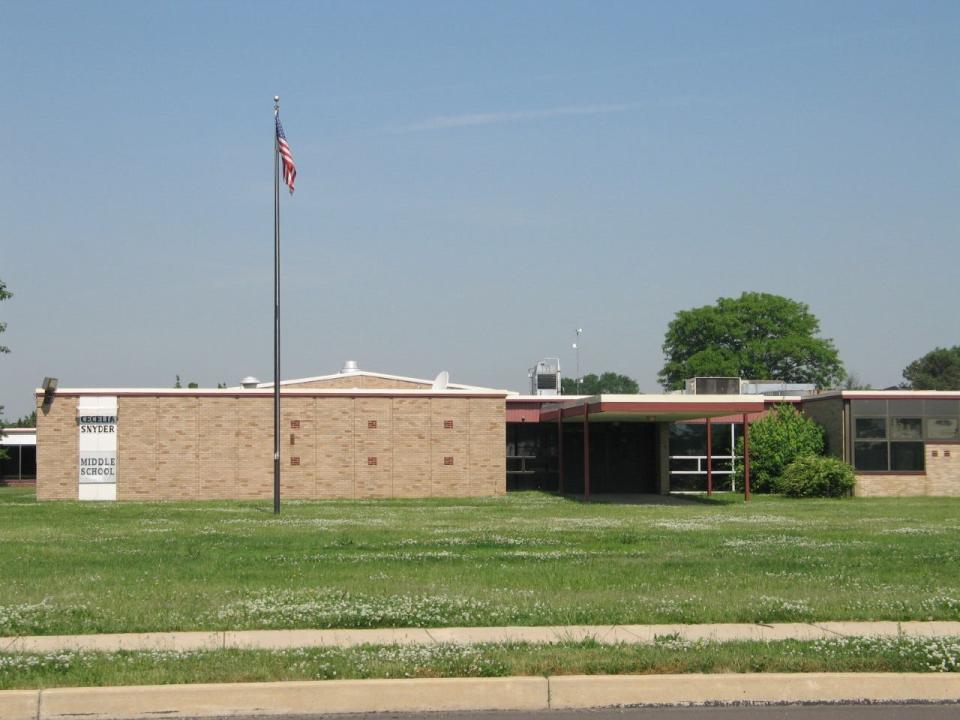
289	168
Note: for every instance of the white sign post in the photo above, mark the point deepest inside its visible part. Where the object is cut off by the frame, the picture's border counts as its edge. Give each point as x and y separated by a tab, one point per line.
97	425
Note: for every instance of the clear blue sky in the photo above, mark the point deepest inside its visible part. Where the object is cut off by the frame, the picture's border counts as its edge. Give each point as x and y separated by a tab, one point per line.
476	180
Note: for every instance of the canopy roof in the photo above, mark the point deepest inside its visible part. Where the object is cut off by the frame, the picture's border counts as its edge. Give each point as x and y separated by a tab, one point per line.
650	408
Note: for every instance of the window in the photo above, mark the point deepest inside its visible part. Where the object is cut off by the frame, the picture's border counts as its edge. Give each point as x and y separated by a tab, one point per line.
871	428
870	455
943	428
906	428
906	456
889	435
941	407
869	407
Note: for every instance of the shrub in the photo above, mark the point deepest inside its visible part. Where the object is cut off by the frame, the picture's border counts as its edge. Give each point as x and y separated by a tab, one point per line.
776	440
811	476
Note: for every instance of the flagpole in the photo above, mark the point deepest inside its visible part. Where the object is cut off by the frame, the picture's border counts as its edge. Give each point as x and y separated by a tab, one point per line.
276	311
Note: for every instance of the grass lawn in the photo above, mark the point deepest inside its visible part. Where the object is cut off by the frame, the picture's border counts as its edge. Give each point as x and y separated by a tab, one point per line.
668	655
526	558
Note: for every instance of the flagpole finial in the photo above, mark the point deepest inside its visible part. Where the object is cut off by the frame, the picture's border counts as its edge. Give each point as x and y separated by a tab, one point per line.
276	98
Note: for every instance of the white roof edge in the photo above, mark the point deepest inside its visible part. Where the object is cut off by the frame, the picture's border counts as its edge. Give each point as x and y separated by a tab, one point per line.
945	394
12	437
268	391
692	399
543	398
368	373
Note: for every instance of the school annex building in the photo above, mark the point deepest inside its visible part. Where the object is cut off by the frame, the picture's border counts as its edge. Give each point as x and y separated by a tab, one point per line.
360	434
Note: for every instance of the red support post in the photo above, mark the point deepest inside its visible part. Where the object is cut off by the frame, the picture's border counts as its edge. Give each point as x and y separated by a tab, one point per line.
560	487
746	458
586	452
709	456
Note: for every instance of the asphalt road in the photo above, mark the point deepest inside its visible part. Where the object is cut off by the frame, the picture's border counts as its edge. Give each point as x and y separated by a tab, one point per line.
949	711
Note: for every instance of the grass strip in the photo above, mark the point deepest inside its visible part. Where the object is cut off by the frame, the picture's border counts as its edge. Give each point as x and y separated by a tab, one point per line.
522	559
668	655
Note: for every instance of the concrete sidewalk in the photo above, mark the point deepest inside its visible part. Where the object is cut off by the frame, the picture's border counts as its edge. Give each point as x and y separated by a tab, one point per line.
281	639
451	694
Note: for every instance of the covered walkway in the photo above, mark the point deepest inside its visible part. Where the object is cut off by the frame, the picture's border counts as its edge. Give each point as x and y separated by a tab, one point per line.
620	443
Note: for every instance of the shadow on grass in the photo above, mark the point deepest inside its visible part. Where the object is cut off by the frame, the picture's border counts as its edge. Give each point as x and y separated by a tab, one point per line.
651	499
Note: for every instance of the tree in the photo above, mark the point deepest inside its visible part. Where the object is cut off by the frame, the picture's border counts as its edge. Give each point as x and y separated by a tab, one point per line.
852	382
756	336
776	440
939	369
27	421
608	382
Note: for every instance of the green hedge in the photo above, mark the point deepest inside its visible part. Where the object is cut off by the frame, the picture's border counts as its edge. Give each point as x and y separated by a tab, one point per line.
776	440
812	476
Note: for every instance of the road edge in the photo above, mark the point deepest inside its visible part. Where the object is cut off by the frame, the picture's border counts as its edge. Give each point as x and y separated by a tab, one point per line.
449	694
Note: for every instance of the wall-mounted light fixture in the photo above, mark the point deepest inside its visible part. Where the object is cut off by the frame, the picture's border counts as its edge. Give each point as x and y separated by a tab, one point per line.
49	388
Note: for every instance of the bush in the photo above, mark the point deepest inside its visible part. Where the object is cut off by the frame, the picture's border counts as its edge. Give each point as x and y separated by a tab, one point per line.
812	476
776	440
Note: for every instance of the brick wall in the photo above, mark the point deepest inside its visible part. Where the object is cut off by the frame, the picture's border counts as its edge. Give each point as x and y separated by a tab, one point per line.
189	447
58	448
890	485
942	476
943	468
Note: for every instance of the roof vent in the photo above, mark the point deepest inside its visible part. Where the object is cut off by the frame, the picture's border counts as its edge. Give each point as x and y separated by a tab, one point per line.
713	386
350	367
249	382
545	377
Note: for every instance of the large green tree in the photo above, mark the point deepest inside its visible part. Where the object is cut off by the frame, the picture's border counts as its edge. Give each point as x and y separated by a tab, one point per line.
757	336
939	369
608	382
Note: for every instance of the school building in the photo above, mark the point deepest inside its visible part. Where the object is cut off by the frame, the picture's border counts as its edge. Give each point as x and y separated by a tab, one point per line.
360	434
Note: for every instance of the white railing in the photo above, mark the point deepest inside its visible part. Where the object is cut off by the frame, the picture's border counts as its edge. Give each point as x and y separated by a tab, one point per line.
702	467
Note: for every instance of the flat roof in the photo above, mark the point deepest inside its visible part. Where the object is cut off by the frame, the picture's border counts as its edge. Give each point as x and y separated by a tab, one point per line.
366	373
886	395
268	392
18	436
651	408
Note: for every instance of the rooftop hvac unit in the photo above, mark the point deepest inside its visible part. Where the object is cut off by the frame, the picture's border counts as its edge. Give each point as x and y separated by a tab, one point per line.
545	377
713	386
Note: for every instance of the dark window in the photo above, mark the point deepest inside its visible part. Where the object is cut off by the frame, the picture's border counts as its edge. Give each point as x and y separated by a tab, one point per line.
871	428
688	439
906	456
906	428
939	428
942	407
870	455
869	407
906	407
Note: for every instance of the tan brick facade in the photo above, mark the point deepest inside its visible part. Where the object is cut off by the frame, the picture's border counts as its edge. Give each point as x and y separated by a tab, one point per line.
943	468
941	478
219	445
58	451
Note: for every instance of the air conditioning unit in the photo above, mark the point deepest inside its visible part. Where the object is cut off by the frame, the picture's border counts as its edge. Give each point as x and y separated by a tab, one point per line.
713	386
545	377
